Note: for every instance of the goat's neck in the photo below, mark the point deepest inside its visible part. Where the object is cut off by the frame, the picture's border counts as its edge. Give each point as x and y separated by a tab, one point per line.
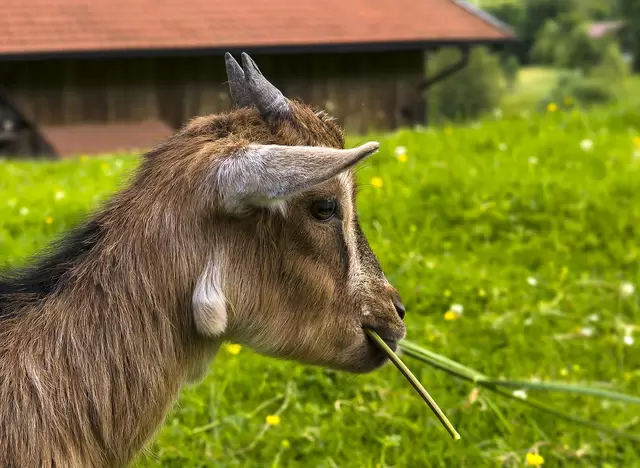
108	355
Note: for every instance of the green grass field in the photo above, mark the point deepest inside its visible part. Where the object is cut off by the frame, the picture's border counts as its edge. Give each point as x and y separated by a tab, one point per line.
531	225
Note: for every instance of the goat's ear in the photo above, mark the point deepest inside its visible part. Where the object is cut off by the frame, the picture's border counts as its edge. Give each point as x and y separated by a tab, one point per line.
261	174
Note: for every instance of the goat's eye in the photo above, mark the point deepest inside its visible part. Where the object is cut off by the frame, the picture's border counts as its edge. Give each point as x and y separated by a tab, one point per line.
323	209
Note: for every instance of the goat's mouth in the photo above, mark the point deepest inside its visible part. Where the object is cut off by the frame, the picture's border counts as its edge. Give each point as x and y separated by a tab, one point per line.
391	341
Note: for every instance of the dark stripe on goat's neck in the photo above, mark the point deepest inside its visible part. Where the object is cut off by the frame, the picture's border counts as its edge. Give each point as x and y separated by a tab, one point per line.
48	271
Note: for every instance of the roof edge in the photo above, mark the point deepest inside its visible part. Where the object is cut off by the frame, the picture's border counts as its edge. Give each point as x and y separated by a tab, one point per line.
388	46
486	17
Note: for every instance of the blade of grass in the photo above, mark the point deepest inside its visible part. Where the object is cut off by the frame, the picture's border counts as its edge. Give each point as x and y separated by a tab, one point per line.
415	383
438	364
562	387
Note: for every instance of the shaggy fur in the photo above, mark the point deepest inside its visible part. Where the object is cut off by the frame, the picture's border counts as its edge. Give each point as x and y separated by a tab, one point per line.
97	338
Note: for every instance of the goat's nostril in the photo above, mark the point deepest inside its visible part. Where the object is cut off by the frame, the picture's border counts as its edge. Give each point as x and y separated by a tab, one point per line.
399	307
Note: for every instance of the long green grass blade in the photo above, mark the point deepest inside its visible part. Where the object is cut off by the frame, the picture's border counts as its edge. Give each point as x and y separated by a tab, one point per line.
465	373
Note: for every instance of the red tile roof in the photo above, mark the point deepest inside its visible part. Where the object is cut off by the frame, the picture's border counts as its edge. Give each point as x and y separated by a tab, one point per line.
92	139
49	26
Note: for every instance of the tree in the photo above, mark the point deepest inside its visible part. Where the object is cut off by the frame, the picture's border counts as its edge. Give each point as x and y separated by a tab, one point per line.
630	11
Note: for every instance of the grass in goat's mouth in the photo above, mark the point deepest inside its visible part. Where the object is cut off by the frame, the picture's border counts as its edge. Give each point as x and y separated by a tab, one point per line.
414	382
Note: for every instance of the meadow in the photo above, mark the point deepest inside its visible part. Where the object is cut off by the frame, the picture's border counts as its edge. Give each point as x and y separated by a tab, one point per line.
514	242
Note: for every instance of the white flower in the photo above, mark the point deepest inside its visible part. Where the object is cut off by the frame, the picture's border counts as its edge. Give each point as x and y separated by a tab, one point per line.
628	340
533	160
520	394
502	147
24	211
457	308
593	318
400	150
431	265
586	331
586	145
528	321
532	281
59	195
627	289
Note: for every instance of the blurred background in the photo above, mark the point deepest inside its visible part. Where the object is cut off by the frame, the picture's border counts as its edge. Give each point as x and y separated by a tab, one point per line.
504	203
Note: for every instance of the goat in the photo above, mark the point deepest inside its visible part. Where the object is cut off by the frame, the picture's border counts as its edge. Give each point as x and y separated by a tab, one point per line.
241	227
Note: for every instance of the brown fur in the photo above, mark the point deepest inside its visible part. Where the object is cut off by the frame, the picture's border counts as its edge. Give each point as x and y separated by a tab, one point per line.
89	369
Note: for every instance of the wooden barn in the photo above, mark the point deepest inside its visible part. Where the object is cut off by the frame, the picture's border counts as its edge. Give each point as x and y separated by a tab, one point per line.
95	76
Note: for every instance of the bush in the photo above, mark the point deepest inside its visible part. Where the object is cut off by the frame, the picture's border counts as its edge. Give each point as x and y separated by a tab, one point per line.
467	94
511	67
612	66
574	88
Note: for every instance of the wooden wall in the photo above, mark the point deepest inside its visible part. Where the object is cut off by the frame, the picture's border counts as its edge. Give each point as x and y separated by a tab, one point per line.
365	91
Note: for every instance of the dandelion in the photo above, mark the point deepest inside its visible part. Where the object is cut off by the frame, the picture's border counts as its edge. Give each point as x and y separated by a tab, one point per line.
532	281
564	372
233	348
552	107
273	420
24	211
522	394
376	182
48	220
533	160
12	202
450	315
627	289
285	444
636	142
586	145
403	158
628	340
59	195
534	459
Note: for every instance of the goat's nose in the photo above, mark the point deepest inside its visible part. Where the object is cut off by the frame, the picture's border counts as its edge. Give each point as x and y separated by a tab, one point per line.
397	303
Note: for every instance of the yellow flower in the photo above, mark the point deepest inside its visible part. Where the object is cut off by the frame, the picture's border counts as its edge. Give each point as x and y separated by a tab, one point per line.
636	141
376	182
104	166
48	220
285	444
534	459
451	315
552	107
273	420
403	158
233	348
482	293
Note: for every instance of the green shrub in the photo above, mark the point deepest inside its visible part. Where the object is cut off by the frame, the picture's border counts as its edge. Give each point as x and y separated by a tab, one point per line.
467	94
574	88
612	66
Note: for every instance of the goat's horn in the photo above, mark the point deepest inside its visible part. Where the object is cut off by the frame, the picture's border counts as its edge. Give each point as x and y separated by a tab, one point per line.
237	84
267	98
